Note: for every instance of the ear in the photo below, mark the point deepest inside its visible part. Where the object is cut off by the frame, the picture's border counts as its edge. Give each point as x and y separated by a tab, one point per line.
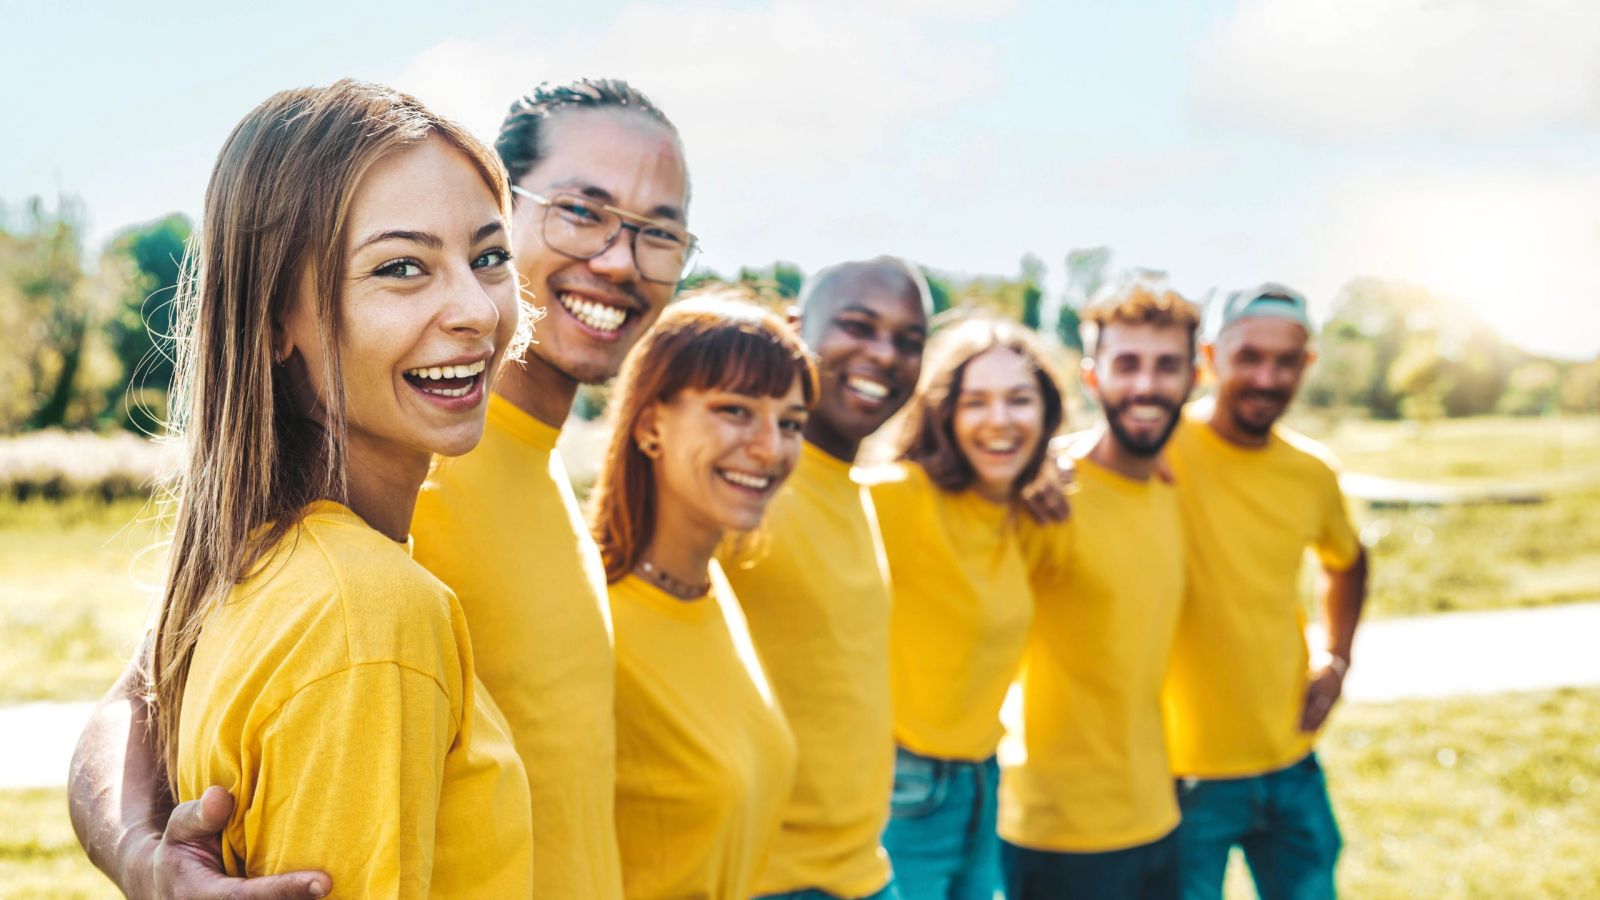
1087	374
646	432
791	314
1311	360
282	345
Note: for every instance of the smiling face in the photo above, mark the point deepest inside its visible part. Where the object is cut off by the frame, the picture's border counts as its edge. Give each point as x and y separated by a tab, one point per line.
999	419
1259	363
429	304
867	331
597	308
1141	375
720	456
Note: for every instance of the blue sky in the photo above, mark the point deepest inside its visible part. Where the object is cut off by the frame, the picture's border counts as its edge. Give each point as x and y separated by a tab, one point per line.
1451	143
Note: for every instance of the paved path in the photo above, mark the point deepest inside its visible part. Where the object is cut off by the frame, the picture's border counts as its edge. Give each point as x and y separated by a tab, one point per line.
1442	655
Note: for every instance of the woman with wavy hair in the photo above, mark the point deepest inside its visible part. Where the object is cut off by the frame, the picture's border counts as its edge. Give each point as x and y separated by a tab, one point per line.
345	306
708	417
974	434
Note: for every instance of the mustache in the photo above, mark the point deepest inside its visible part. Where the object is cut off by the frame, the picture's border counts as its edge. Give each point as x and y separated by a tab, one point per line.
1257	394
1165	403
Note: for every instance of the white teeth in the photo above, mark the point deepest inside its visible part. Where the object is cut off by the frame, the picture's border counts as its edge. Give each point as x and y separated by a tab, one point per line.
873	390
753	482
999	447
1146	413
598	316
434	373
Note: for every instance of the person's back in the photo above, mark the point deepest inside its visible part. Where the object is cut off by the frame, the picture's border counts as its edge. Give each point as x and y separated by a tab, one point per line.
321	661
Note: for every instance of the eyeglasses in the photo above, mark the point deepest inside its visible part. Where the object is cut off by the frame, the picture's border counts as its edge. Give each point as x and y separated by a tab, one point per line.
583	229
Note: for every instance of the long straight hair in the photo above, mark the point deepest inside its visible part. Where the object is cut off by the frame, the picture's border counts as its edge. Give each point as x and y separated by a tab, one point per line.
928	435
708	343
274	226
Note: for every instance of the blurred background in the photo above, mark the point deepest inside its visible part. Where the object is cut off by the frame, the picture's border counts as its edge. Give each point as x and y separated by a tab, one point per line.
1427	171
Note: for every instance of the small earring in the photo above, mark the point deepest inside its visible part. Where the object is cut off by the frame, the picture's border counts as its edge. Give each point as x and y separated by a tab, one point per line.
278	358
649	447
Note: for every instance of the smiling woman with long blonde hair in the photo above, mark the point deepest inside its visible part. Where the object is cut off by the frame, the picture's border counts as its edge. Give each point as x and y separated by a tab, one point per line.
346	304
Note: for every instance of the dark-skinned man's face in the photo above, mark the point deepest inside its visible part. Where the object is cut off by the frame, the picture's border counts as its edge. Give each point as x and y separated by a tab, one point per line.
867	329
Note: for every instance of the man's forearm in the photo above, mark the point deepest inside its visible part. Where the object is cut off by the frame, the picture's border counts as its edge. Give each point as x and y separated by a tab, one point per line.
1342	599
114	795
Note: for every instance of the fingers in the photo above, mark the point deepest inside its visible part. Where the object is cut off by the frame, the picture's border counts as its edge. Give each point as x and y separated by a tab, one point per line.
1321	695
292	886
196	820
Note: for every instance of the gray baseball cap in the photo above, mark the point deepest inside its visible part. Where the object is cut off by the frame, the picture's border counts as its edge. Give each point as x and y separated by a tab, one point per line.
1269	300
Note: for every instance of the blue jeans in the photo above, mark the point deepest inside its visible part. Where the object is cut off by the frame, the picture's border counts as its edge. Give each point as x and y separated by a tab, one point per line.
941	838
1282	820
888	893
1146	872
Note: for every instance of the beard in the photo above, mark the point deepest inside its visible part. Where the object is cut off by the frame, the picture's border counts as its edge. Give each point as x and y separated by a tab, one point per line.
1137	446
1258	427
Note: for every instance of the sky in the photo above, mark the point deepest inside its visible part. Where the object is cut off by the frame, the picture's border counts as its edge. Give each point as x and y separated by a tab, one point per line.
1453	144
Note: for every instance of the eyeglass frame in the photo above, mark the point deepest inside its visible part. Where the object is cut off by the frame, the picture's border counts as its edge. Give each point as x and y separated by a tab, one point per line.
627	221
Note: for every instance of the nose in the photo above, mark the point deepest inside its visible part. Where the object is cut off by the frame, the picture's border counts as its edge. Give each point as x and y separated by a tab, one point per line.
470	310
1144	382
617	263
880	350
765	437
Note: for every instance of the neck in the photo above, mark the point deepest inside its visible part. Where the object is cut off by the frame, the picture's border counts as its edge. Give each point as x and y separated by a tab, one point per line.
1223	424
1109	452
830	441
683	551
538	389
383	489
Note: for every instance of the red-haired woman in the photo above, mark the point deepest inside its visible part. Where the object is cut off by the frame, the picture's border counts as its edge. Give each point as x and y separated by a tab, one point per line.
708	417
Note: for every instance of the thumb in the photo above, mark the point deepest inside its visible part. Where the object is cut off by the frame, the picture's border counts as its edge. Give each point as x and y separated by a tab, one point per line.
203	818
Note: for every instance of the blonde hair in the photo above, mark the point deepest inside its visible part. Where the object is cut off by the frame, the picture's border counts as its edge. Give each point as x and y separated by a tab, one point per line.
276	210
1141	301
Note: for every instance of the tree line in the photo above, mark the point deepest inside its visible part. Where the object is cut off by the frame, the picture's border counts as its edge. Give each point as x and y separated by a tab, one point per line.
90	336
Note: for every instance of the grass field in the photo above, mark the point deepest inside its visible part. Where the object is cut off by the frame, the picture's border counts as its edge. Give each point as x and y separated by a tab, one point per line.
1495	797
70	573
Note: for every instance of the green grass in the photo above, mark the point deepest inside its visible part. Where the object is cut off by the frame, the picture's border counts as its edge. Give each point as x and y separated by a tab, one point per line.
39	856
1478	557
1471	797
71	608
1491	797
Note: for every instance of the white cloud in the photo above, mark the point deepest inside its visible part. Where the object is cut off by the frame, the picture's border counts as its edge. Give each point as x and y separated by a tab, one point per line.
1522	247
1363	68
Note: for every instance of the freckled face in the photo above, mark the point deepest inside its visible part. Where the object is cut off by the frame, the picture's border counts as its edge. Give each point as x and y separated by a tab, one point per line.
999	419
723	455
428	305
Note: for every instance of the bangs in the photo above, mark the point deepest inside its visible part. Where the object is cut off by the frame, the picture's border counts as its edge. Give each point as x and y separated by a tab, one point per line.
744	359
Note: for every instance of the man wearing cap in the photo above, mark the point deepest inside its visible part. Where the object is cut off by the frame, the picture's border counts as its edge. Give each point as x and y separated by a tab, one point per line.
1245	695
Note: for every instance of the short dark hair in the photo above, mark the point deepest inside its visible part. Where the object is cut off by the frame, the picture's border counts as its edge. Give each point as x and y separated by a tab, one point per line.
521	143
928	435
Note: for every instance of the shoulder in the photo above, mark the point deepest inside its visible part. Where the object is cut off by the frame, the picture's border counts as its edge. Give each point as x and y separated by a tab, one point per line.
380	603
1307	452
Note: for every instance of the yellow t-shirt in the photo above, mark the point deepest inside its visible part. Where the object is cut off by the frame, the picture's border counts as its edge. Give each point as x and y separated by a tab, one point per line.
333	695
1108	586
502	528
1238	676
818	607
962	605
705	759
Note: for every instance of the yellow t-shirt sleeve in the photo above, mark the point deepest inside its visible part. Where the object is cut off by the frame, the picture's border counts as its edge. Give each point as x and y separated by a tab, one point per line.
1337	544
349	781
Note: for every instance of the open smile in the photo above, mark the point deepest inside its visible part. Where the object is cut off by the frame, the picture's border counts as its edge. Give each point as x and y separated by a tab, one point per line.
455	386
604	320
748	482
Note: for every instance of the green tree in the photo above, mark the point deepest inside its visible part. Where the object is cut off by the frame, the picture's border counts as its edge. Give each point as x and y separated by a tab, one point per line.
1032	281
1580	388
1534	389
140	329
938	289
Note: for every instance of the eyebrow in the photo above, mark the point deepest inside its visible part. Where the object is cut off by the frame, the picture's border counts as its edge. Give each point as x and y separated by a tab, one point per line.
426	238
595	192
873	314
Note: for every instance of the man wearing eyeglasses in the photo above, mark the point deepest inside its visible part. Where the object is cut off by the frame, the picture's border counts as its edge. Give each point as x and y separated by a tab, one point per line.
601	196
